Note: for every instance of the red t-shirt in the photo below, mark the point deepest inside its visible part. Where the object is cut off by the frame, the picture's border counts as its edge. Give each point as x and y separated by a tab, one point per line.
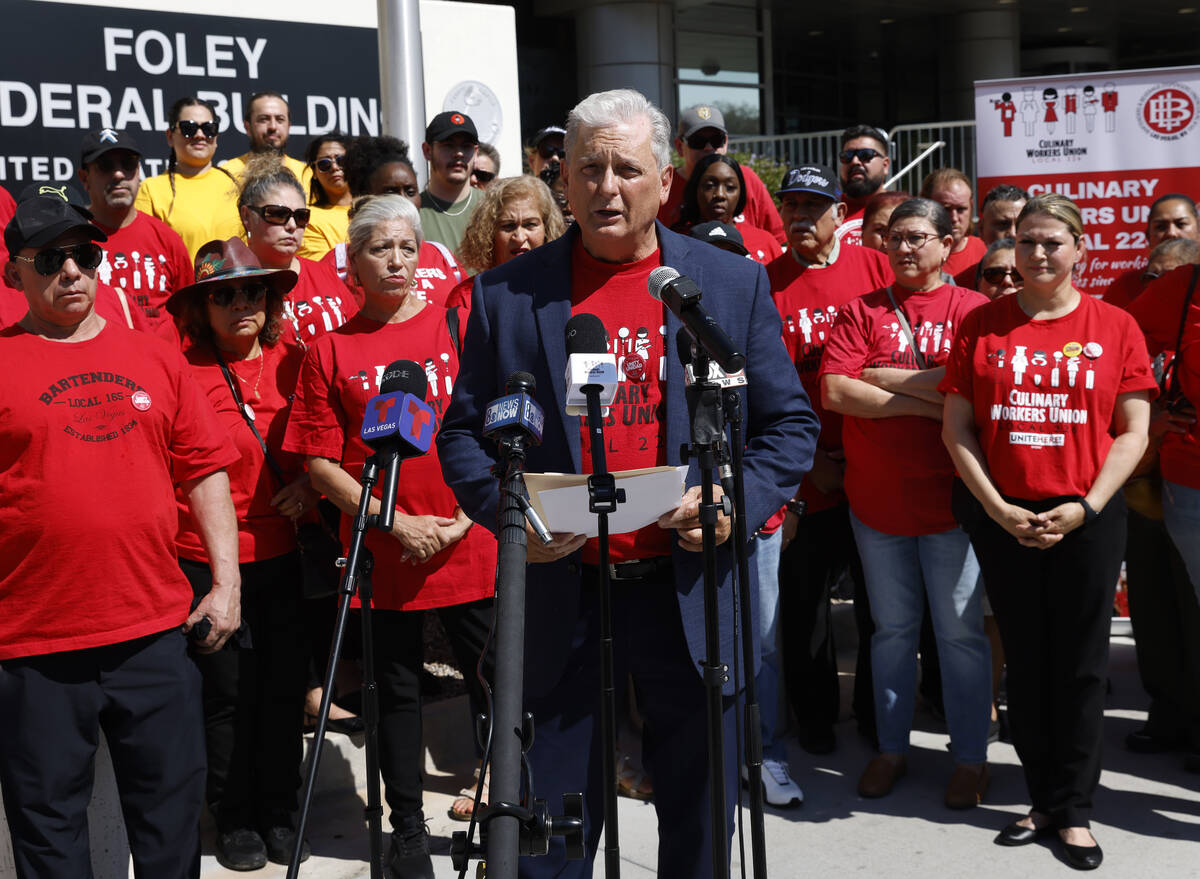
341	372
266	384
437	272
850	232
318	304
108	305
94	436
966	258
762	244
148	260
8	207
760	208
1158	312
633	430
968	278
808	299
1044	391
898	472
1125	288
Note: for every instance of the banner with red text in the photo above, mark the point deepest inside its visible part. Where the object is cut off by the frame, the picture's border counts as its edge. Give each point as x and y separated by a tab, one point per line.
1113	142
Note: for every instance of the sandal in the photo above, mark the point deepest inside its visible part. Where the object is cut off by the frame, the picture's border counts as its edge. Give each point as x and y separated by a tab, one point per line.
632	780
464	806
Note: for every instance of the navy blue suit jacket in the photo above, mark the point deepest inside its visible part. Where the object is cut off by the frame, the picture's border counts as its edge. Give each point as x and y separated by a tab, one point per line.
518	317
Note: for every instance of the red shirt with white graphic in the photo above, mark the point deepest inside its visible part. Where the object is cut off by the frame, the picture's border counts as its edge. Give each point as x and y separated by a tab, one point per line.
898	472
341	372
436	275
850	232
266	385
762	244
318	304
1044	391
94	436
148	260
633	430
808	299
760	208
964	259
1158	312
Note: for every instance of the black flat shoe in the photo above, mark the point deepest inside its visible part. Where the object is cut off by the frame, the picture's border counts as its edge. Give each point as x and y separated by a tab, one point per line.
1083	857
350	726
1014	834
1142	742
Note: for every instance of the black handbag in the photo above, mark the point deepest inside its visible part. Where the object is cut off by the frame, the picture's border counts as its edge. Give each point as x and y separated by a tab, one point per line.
319	545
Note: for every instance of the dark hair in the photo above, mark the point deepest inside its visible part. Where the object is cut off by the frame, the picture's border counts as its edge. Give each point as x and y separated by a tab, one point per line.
1004	192
689	211
316	192
259	95
172	120
366	155
881	200
998	244
193	319
1174	196
925	209
856	131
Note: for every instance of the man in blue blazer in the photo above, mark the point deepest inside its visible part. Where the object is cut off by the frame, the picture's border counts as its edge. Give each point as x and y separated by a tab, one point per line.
617	174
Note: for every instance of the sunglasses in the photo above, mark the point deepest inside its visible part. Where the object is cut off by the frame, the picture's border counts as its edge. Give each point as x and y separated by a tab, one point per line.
326	164
699	141
188	128
549	151
253	291
278	215
49	261
483	176
108	163
996	274
865	155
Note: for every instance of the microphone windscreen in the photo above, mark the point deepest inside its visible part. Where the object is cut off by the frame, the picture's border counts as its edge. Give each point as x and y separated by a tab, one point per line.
683	342
586	335
406	377
521	382
659	278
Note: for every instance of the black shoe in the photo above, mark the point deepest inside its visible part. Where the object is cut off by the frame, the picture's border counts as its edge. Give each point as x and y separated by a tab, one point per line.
408	857
1014	834
1141	741
818	741
1191	761
280	842
241	849
1082	857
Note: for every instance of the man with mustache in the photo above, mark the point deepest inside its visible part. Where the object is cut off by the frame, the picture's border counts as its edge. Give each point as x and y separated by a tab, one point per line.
143	255
268	122
864	168
449	200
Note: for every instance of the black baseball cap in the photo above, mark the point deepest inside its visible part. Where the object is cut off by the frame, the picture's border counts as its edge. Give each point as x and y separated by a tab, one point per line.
811	178
96	144
61	191
446	125
546	132
38	221
723	235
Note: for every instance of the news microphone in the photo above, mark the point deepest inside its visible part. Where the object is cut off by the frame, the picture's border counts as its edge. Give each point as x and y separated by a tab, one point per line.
517	411
682	296
722	379
589	364
398	415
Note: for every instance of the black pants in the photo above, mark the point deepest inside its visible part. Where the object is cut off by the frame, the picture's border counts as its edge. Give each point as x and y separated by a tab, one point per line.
253	698
1166	628
1054	611
145	696
399	658
808	569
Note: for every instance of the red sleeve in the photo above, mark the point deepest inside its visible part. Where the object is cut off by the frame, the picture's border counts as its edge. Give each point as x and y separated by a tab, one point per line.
317	424
1137	373
1159	308
199	444
958	378
847	349
760	207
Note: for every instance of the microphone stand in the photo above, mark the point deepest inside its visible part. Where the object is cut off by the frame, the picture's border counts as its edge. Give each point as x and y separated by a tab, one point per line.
603	497
359	562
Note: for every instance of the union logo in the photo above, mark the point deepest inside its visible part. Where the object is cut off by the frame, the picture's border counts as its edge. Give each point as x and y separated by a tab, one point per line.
1167	112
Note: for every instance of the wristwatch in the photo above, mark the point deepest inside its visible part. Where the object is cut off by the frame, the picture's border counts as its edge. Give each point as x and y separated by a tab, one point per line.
1089	515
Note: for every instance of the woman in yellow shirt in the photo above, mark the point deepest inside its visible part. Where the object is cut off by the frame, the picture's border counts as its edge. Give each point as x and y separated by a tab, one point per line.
329	195
194	197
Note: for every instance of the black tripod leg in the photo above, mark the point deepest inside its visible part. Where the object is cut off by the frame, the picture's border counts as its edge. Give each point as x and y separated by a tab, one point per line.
608	713
370	705
714	671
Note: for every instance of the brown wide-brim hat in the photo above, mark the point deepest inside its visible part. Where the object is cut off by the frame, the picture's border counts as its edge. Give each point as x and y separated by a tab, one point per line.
220	262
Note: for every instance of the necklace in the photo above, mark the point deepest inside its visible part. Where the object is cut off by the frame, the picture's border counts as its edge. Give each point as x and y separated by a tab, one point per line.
444	210
262	359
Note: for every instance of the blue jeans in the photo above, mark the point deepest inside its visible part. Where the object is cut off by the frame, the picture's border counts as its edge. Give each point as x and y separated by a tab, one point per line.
766	683
1181	512
896	569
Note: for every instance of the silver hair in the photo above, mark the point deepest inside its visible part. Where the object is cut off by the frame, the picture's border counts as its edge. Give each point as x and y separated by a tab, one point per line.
371	210
621	106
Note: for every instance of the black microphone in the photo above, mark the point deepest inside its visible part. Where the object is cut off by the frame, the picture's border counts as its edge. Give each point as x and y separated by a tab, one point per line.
684	342
682	296
398	424
588	363
518	419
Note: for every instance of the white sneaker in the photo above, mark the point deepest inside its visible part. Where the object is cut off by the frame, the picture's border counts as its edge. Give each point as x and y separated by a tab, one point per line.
779	789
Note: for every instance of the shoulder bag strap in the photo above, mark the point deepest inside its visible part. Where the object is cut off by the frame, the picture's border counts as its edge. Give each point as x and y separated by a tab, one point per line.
452	325
908	333
1172	383
276	470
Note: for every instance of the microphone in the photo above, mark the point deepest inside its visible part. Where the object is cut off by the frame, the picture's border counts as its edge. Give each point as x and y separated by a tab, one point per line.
722	379
588	364
682	296
398	415
517	417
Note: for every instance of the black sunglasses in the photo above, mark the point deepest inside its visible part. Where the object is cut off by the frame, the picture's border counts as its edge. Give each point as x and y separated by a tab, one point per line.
108	163
549	151
325	165
278	215
864	155
996	274
699	141
188	128
49	261
483	176
254	291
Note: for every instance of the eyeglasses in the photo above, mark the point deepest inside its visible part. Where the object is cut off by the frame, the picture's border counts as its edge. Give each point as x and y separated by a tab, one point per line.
278	215
108	163
996	274
188	128
49	261
914	240
550	151
253	291
483	176
325	165
864	155
699	141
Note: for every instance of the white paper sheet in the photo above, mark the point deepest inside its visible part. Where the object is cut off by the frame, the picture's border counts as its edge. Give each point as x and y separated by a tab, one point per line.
561	499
